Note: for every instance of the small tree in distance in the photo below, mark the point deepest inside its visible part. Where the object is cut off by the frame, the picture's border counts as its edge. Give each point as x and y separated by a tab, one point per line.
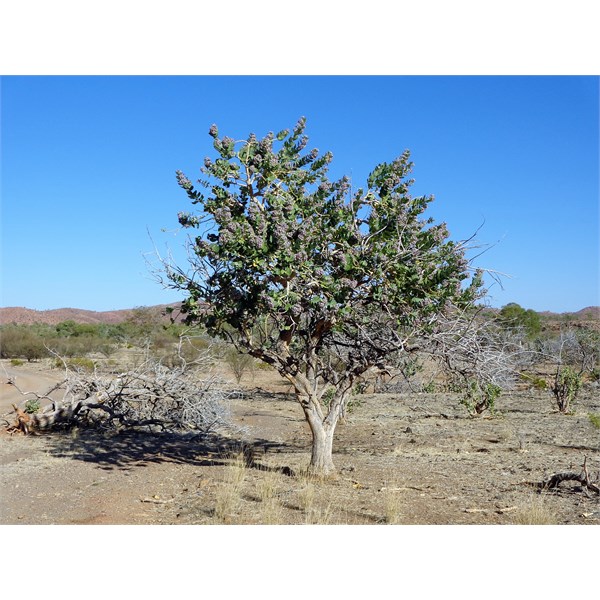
324	284
513	316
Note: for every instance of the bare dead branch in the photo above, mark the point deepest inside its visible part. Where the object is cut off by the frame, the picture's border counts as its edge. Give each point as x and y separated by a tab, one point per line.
152	397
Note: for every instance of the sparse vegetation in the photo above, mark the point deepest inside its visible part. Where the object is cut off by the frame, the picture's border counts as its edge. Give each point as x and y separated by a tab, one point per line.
238	362
392	503
535	512
21	342
538	383
271	509
594	419
444	467
32	406
445	460
565	388
228	495
146	328
306	494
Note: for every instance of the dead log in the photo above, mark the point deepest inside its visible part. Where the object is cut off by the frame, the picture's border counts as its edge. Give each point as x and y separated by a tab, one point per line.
23	422
583	478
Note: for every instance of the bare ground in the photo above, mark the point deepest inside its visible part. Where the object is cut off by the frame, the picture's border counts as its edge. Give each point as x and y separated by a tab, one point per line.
406	458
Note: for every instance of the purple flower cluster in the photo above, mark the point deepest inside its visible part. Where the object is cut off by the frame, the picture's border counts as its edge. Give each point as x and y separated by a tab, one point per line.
266	144
183	181
325	187
343	186
300	257
347	283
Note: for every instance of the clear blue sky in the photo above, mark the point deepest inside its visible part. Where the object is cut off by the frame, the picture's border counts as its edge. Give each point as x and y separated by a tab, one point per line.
88	171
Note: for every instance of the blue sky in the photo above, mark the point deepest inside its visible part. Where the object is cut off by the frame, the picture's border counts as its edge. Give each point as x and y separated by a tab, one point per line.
88	164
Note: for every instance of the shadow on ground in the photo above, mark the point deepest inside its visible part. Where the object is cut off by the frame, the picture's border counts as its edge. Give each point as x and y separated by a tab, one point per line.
127	450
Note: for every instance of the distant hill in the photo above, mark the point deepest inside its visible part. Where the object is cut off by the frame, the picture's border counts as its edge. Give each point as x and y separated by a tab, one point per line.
27	316
588	313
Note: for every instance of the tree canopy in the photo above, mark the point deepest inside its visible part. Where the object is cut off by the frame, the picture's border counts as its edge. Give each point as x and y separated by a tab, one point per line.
514	316
322	281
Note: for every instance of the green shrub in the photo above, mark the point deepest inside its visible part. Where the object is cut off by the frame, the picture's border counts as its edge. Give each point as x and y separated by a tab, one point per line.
360	388
567	384
430	387
478	397
594	419
16	362
21	342
539	383
32	406
78	364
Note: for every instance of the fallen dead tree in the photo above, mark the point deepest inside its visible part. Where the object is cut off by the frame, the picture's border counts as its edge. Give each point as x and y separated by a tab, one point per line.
150	397
583	478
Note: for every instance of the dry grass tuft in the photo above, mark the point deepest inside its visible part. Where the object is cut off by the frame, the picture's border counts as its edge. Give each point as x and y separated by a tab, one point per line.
306	497
272	512
228	495
535	512
268	488
319	515
392	507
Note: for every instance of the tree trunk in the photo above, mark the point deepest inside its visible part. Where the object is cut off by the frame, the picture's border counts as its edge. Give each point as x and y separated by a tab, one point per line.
321	458
322	429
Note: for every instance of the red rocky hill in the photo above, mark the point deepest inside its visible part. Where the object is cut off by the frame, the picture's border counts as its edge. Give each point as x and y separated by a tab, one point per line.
26	316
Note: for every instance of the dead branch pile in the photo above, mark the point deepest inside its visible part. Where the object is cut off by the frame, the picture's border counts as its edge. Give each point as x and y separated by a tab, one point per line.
152	397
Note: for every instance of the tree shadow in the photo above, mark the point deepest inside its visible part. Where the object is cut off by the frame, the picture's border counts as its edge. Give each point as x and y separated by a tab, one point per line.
269	396
130	449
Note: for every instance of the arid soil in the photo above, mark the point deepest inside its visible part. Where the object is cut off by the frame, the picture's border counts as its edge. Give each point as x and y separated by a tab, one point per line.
406	458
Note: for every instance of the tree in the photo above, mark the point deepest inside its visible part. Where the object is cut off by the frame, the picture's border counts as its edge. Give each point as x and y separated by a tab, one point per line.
513	316
324	283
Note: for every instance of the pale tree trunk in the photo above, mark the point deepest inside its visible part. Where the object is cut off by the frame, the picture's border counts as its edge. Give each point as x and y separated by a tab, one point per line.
322	429
321	457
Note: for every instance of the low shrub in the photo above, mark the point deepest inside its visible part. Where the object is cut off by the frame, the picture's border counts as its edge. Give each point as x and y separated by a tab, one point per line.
238	362
478	397
594	419
32	406
539	383
20	342
77	364
565	388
